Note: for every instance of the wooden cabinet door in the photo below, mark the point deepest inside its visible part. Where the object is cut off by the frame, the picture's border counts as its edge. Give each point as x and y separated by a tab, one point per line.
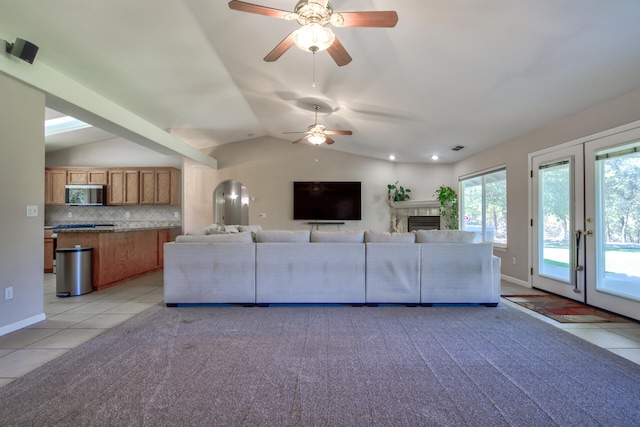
115	188
163	187
54	182
48	251
76	176
164	236
147	187
47	187
123	187
97	176
131	187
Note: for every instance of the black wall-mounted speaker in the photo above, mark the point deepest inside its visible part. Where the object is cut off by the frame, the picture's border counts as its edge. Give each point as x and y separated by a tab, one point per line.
24	50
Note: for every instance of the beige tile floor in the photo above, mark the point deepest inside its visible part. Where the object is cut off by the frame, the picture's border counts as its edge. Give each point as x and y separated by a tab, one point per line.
622	339
72	321
75	320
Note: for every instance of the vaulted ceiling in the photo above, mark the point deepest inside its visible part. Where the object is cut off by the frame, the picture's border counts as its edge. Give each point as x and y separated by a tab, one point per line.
452	72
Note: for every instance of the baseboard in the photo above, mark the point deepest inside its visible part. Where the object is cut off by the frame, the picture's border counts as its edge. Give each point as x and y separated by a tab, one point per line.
22	324
515	281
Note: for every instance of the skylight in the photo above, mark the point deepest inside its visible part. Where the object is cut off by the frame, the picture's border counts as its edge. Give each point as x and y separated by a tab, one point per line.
62	125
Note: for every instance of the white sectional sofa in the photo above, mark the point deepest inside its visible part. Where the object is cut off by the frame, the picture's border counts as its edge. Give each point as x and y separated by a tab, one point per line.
355	267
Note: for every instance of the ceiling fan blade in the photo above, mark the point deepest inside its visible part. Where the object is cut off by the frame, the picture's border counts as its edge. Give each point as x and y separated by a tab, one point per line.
338	132
385	19
281	48
328	140
301	139
260	10
339	53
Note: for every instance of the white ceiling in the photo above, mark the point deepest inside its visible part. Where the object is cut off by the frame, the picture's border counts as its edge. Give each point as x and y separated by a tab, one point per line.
452	72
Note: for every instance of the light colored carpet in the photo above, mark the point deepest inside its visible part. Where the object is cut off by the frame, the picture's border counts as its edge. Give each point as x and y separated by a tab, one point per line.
329	366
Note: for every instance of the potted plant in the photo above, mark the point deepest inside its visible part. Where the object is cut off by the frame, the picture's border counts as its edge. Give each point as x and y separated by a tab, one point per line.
448	206
397	193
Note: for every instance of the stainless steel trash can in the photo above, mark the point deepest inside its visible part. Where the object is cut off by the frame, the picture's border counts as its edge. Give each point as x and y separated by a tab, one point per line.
73	271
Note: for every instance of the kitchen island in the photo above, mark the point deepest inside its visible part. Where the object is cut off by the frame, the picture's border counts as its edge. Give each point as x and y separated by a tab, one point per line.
119	254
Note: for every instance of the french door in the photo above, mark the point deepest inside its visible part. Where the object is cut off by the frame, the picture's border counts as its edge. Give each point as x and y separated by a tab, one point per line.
586	222
558	216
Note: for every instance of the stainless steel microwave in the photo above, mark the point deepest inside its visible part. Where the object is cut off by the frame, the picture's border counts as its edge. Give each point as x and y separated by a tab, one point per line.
85	195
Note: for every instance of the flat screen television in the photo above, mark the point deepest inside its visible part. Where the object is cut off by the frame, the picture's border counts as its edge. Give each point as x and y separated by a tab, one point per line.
327	201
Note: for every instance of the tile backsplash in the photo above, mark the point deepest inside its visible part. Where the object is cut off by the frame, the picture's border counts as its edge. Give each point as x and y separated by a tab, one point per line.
133	216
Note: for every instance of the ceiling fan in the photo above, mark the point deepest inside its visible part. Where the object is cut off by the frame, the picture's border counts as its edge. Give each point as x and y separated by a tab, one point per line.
318	134
314	36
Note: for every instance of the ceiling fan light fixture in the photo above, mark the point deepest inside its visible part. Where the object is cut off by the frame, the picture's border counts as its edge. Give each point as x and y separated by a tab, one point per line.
313	38
317	139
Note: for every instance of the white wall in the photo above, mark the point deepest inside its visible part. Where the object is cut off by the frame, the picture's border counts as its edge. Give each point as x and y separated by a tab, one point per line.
616	112
198	184
114	152
22	176
268	166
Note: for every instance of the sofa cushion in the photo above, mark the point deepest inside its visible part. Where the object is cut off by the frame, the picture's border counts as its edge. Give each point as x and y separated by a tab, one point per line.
217	238
444	236
282	236
371	236
232	228
253	228
202	231
356	236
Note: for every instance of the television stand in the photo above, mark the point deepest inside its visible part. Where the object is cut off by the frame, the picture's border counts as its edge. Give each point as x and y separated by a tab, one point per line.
317	224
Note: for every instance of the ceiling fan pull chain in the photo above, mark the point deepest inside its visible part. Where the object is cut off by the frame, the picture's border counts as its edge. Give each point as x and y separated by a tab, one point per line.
314	70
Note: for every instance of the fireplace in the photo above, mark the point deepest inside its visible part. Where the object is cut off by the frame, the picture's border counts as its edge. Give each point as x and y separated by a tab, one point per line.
423	223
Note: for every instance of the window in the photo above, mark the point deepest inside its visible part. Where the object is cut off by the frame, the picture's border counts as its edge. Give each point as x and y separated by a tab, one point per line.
483	206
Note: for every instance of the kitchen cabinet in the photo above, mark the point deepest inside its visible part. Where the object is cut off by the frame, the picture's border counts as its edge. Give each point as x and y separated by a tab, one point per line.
97	177
54	182
76	177
87	176
48	251
147	187
118	254
159	186
123	187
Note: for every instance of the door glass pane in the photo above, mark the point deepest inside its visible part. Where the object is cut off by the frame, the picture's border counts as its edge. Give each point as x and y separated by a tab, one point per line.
618	222
496	207
554	232
471	207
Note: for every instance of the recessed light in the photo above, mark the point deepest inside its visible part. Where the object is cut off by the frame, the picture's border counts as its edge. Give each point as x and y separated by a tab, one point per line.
434	157
392	157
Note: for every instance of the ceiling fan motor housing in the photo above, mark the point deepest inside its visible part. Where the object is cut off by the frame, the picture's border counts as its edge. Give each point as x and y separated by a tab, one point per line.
313	12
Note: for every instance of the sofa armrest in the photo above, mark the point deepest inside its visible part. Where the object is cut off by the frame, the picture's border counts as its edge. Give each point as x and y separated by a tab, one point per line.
458	273
209	273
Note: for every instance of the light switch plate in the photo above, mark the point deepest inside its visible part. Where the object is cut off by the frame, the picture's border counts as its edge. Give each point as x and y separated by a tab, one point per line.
32	210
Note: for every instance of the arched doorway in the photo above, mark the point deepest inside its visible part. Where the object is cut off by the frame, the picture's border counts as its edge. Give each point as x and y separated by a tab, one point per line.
231	203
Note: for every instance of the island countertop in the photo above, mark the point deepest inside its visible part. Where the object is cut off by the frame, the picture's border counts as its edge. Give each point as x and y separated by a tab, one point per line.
110	229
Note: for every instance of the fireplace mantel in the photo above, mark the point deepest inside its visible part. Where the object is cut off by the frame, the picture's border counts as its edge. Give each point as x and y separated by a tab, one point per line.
413	204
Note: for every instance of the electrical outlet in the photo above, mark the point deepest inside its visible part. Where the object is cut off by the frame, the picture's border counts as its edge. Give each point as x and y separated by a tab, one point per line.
69	214
8	293
32	210
126	214
176	214
514	260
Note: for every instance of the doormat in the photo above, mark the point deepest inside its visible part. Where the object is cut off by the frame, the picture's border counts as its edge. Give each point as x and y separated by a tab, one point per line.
564	310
